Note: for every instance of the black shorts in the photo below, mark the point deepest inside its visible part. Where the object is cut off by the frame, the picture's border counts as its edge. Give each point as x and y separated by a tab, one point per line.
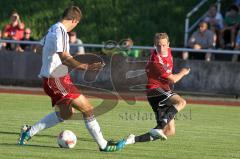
157	99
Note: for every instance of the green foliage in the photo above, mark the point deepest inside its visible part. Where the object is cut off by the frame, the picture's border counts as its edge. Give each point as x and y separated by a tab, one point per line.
107	19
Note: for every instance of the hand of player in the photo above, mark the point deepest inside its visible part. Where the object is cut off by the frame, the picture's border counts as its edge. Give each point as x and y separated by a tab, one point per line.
185	71
96	66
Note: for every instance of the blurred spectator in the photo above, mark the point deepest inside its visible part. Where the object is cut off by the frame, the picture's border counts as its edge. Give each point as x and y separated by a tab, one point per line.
14	30
203	38
231	25
126	50
215	21
134	53
110	48
237	44
214	18
75	50
237	2
26	47
2	45
126	43
237	47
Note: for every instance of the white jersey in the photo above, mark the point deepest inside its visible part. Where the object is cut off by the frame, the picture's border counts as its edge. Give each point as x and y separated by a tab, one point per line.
55	41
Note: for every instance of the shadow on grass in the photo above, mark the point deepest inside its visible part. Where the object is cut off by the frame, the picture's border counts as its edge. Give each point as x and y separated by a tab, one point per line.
50	136
45	146
12	144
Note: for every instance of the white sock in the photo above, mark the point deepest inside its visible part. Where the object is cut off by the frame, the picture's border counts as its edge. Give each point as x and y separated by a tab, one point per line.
48	121
94	129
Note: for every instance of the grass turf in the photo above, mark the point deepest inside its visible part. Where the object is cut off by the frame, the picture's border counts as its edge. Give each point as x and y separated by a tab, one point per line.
201	131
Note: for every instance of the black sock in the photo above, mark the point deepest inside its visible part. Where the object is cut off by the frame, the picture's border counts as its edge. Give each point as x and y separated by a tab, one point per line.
170	113
145	138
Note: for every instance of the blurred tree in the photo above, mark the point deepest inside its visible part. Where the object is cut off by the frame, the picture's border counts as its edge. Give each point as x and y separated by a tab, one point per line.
109	19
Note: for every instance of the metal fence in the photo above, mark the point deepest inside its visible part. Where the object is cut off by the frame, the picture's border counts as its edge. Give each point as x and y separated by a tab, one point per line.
112	45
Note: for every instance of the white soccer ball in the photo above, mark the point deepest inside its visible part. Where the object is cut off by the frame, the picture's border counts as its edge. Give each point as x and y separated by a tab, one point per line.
67	139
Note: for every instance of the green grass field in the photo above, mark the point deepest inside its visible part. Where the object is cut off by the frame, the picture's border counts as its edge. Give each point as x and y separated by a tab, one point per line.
202	131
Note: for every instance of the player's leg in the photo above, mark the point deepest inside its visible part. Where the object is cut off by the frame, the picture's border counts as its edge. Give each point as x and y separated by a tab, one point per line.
169	129
61	113
65	111
177	101
48	121
62	109
164	116
156	100
176	104
82	104
132	139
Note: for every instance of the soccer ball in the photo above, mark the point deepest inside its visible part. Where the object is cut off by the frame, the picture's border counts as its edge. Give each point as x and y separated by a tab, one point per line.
67	139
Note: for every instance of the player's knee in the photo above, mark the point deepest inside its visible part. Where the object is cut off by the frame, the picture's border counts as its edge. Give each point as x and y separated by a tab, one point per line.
87	112
59	116
182	103
64	112
66	115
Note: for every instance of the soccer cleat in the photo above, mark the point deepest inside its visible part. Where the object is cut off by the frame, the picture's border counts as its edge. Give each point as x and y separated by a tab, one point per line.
114	146
158	133
130	139
24	135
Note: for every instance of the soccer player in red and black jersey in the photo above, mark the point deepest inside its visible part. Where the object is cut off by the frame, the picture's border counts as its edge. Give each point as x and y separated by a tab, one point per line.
163	101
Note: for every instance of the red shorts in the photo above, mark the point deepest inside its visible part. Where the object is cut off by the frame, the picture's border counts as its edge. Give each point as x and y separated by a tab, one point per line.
61	90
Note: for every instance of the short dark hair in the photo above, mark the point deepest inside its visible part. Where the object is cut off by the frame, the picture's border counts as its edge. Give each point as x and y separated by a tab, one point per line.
72	33
234	7
213	6
72	13
13	12
203	23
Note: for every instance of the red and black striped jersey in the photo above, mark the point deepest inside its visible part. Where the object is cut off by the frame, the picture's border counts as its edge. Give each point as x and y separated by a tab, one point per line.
158	69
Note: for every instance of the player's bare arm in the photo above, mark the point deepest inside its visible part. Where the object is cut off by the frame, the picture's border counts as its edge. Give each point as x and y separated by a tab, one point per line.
68	60
174	78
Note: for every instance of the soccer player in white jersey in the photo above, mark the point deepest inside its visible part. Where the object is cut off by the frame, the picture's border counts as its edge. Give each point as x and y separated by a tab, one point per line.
57	83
